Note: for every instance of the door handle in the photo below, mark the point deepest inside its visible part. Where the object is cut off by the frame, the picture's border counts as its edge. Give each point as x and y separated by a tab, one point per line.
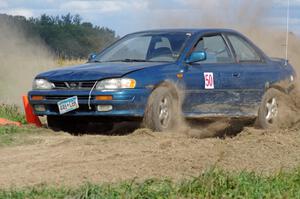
237	75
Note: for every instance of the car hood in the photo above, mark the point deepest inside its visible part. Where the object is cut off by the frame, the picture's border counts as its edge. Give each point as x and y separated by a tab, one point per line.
94	71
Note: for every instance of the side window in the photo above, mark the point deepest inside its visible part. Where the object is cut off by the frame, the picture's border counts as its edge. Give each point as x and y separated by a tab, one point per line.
243	50
216	49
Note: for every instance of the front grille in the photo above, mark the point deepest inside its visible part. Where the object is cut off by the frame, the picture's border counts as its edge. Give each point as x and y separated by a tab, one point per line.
88	85
60	85
54	97
82	108
74	85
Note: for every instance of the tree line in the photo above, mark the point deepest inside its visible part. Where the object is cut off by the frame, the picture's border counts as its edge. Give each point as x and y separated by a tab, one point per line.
66	35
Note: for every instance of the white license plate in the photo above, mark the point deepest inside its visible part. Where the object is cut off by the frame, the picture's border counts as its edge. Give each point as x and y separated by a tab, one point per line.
68	105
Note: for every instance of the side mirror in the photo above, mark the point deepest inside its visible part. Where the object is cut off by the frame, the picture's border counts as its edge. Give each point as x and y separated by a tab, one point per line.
92	56
196	57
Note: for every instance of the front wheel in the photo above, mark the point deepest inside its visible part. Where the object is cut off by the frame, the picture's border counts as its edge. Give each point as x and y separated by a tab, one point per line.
269	112
163	110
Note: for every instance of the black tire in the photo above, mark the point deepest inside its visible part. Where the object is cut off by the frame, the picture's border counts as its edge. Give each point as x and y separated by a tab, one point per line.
163	110
269	111
99	128
71	125
54	123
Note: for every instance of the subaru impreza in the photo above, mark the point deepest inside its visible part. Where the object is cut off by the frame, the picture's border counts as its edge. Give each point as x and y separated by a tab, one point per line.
156	77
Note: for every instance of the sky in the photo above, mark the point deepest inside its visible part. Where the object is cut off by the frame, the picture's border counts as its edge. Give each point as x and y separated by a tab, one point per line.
126	16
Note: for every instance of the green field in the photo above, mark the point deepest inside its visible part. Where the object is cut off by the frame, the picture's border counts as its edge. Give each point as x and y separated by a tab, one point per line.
12	135
12	112
211	184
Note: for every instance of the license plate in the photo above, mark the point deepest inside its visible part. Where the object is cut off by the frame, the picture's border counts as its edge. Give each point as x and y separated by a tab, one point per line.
68	105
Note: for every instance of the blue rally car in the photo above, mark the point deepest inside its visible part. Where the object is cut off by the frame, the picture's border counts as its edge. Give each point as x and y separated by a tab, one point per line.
156	76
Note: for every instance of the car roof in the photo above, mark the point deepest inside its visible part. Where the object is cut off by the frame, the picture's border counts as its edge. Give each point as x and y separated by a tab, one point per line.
193	31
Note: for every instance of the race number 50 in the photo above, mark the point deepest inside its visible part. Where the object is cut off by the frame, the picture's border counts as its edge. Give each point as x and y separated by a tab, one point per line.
209	80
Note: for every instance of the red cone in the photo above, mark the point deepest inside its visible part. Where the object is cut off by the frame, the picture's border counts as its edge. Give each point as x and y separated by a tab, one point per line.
31	118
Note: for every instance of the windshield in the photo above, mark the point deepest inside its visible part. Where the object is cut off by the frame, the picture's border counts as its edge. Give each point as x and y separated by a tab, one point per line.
150	47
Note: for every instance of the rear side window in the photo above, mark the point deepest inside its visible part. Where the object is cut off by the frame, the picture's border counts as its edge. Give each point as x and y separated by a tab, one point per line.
215	48
243	50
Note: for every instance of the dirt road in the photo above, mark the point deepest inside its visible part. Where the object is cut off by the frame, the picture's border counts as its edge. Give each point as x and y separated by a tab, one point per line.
62	159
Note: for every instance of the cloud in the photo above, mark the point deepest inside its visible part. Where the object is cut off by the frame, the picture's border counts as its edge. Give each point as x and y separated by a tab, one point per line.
285	3
127	15
3	4
20	12
100	6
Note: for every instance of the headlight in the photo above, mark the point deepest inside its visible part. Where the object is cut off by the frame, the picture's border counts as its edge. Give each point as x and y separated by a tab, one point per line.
113	84
42	84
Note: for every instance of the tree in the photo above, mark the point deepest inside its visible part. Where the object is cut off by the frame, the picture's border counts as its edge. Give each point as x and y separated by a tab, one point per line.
77	19
65	35
67	19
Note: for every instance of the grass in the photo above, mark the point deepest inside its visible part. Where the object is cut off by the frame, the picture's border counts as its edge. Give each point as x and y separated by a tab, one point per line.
12	112
211	184
15	136
70	62
12	135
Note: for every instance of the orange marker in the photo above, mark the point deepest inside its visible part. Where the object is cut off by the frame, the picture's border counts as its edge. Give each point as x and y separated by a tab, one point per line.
31	118
4	122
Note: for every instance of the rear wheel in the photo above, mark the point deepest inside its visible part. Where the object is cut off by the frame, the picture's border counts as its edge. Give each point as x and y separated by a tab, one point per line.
162	112
269	111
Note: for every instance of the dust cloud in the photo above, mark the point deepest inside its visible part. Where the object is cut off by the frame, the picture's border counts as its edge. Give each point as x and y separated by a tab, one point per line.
21	58
247	16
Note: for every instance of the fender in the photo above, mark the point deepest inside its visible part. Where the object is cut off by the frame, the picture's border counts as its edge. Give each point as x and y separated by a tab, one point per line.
176	89
285	86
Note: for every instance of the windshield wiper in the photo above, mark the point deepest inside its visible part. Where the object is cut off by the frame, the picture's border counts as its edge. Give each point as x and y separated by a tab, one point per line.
129	60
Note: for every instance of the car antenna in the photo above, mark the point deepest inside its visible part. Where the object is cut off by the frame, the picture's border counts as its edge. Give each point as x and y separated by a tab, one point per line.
287	34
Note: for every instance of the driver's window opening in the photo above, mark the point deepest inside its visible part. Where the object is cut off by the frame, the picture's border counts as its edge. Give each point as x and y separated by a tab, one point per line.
215	48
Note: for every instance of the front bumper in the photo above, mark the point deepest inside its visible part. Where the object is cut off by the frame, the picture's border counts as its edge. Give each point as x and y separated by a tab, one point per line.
131	102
